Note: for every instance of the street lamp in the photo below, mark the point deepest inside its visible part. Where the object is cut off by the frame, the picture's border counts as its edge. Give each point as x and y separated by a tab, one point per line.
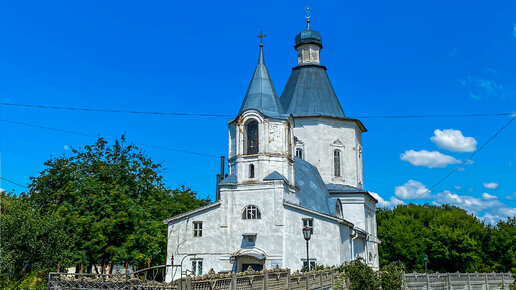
307	234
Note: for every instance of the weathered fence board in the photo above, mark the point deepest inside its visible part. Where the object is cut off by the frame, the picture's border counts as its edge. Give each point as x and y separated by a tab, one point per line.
454	281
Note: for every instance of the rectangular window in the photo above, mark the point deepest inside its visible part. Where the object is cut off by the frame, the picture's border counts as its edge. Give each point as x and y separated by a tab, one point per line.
312	263
309	222
197	267
197	229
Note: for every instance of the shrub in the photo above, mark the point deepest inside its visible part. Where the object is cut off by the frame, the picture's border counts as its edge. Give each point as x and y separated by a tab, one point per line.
392	276
360	276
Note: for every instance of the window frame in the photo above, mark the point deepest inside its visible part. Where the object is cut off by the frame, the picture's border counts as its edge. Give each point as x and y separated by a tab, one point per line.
251	212
197	266
337	163
301	153
251	171
197	229
255	136
308	222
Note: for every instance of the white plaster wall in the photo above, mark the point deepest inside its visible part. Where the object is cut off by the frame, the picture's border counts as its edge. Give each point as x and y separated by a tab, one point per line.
329	244
321	136
223	228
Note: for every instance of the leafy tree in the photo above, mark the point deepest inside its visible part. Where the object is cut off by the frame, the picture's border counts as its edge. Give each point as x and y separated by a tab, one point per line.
452	239
30	241
391	276
501	246
111	201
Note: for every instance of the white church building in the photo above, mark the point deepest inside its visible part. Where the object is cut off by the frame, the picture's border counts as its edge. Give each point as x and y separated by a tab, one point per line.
294	162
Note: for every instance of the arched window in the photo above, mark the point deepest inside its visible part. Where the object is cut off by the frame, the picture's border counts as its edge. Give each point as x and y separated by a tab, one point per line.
251	170
338	209
336	163
299	153
251	212
252	137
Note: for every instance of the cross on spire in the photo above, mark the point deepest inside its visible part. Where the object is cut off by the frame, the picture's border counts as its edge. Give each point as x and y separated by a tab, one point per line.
261	36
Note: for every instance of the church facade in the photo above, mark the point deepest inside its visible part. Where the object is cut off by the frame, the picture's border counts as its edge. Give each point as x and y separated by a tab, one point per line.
295	162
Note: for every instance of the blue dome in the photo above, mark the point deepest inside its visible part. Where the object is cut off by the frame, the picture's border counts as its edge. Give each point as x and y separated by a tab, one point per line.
309	36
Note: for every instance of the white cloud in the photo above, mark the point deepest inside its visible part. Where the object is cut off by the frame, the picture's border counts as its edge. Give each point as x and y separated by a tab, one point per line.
453	140
1	190
383	203
490	185
488	207
457	187
430	159
66	147
411	189
486	195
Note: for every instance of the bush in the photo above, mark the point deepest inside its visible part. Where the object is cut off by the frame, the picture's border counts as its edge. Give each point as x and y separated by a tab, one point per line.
360	276
392	276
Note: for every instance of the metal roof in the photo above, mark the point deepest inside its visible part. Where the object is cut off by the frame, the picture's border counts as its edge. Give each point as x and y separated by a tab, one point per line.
309	92
261	94
275	175
312	193
308	36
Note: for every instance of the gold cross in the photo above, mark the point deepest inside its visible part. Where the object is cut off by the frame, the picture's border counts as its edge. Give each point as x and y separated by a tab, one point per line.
261	36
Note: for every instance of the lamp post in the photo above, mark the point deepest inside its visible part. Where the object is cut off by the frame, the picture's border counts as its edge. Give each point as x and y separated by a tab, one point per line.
307	234
426	262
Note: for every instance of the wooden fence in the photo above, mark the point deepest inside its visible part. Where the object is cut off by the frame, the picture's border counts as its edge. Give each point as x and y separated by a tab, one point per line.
273	279
452	281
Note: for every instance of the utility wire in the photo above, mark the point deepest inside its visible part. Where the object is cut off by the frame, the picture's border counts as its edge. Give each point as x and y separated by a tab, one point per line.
15	183
113	111
464	162
90	135
229	115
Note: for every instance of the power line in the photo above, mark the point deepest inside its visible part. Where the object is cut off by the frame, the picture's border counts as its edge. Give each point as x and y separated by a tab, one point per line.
229	115
464	162
90	135
114	111
15	183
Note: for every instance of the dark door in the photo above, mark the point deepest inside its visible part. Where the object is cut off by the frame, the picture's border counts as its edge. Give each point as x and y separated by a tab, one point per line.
256	267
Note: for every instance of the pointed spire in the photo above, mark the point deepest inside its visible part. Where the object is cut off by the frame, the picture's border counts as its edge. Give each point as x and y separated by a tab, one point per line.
261	94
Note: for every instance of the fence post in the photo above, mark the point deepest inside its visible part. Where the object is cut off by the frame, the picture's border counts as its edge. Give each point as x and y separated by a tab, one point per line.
503	281
449	281
332	279
266	280
427	282
307	282
188	283
288	280
469	281
233	281
487	283
320	279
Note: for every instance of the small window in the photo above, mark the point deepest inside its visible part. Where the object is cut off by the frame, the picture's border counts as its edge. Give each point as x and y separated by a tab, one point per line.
250	239
251	212
336	163
252	137
197	229
312	264
197	267
309	222
251	170
299	153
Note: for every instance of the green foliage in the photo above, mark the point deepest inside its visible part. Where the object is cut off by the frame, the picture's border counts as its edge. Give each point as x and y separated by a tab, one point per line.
361	276
104	203
452	239
392	276
30	240
30	281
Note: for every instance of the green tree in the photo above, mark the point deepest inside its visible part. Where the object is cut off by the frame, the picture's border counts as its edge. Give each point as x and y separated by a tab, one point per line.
452	239
111	200
30	241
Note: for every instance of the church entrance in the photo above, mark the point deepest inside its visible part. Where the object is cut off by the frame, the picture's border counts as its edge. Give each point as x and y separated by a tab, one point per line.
244	262
256	267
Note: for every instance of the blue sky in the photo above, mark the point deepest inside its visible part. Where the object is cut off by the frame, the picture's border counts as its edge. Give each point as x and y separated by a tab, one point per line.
383	58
